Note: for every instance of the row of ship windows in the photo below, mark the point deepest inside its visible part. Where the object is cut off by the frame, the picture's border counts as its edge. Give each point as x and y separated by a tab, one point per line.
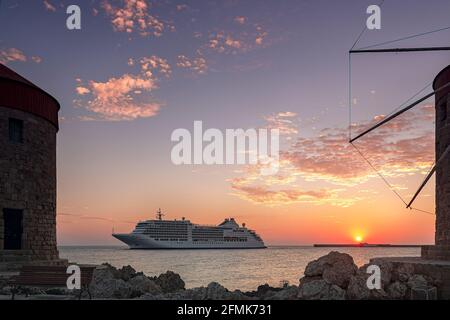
205	240
177	233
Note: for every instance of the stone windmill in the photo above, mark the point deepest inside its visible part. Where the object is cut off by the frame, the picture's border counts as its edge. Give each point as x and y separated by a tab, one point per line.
28	128
441	91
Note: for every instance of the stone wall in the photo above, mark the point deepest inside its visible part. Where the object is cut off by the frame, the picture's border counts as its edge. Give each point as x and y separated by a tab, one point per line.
28	182
442	173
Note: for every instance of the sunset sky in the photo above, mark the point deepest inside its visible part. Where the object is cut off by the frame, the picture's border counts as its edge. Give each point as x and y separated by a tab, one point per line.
139	69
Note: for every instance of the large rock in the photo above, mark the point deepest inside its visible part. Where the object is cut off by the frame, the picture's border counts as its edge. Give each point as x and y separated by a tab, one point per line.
335	268
320	290
214	291
286	293
397	291
170	282
386	269
403	272
126	273
358	290
417	282
105	285
263	291
111	283
140	285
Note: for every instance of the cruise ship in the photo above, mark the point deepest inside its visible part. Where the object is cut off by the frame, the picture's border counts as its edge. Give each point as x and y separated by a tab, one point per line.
182	234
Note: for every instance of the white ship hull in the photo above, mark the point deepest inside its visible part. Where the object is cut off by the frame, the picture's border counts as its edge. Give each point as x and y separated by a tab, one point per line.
182	234
141	241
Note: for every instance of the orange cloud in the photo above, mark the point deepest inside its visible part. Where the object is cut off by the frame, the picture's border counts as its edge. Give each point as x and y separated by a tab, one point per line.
182	7
11	55
399	149
197	65
16	55
48	6
264	195
155	63
36	59
115	99
82	90
283	121
252	37
240	19
134	16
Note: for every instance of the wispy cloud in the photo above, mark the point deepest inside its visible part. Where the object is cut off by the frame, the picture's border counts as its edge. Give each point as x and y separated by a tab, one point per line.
115	99
198	65
16	55
251	37
48	6
240	19
134	16
120	98
399	149
150	65
286	122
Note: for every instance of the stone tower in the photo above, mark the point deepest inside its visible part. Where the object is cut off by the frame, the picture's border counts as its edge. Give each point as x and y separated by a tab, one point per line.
441	250
28	127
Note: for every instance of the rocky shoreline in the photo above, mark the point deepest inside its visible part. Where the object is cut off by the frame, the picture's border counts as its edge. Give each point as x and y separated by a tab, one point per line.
331	277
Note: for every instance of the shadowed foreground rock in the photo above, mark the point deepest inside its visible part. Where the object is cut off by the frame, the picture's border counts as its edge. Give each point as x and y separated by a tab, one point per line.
336	277
331	277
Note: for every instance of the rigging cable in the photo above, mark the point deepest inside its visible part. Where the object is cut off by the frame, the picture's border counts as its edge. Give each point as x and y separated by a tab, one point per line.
415	95
379	174
405	38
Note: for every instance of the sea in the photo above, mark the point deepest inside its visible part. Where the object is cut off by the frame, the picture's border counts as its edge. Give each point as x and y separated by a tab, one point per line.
234	269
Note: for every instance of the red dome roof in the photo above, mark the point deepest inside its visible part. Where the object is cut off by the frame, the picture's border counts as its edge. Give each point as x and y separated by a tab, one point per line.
441	80
16	92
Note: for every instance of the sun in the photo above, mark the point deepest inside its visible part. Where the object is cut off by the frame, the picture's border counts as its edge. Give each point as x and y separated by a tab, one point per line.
359	239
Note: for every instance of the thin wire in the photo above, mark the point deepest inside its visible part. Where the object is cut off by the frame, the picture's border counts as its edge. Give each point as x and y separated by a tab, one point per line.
363	30
379	174
350	104
405	38
424	211
350	97
401	105
359	37
407	101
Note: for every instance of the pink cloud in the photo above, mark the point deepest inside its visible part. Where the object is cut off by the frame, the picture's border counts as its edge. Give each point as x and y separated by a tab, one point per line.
264	195
182	7
11	55
399	149
134	16
197	65
155	63
115	99
251	38
16	55
240	19
82	91
36	59
48	6
286	122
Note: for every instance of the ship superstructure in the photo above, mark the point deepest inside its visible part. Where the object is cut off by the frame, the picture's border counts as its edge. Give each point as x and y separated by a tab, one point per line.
183	234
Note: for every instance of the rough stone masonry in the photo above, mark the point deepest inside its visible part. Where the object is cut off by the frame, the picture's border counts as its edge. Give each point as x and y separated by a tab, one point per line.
441	250
28	127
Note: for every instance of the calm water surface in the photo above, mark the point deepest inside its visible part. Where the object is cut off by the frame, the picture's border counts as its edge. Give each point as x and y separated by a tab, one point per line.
234	269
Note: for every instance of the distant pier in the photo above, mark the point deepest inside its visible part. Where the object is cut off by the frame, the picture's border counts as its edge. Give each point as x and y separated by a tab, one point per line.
366	245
